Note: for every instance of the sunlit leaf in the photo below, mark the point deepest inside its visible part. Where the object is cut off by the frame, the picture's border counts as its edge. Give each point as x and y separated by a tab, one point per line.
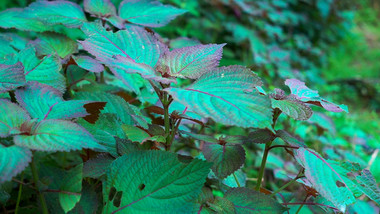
56	12
55	135
191	62
325	179
11	117
162	184
151	13
228	96
11	77
13	160
100	8
71	189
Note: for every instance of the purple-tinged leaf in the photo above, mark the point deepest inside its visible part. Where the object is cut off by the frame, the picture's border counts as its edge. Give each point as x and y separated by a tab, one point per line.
325	179
151	13
122	65
134	42
45	102
11	77
261	136
45	70
54	44
88	63
11	117
15	18
56	12
226	158
305	94
228	96
13	160
249	201
100	8
191	62
55	135
96	167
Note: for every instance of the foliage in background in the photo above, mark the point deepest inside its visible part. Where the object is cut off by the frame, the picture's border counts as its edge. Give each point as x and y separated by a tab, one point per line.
90	92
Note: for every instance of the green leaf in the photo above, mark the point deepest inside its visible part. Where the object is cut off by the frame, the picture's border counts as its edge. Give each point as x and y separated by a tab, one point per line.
133	50
71	189
55	135
11	77
127	113
11	117
191	62
13	160
45	102
293	108
88	203
45	70
153	182
227	95
88	63
360	181
261	136
15	18
54	43
325	179
100	8
226	158
56	12
133	42
151	13
135	134
249	201
96	167
104	138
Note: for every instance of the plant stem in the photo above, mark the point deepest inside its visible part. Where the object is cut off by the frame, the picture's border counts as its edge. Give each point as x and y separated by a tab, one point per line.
262	167
19	194
300	175
303	203
166	119
40	195
237	181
